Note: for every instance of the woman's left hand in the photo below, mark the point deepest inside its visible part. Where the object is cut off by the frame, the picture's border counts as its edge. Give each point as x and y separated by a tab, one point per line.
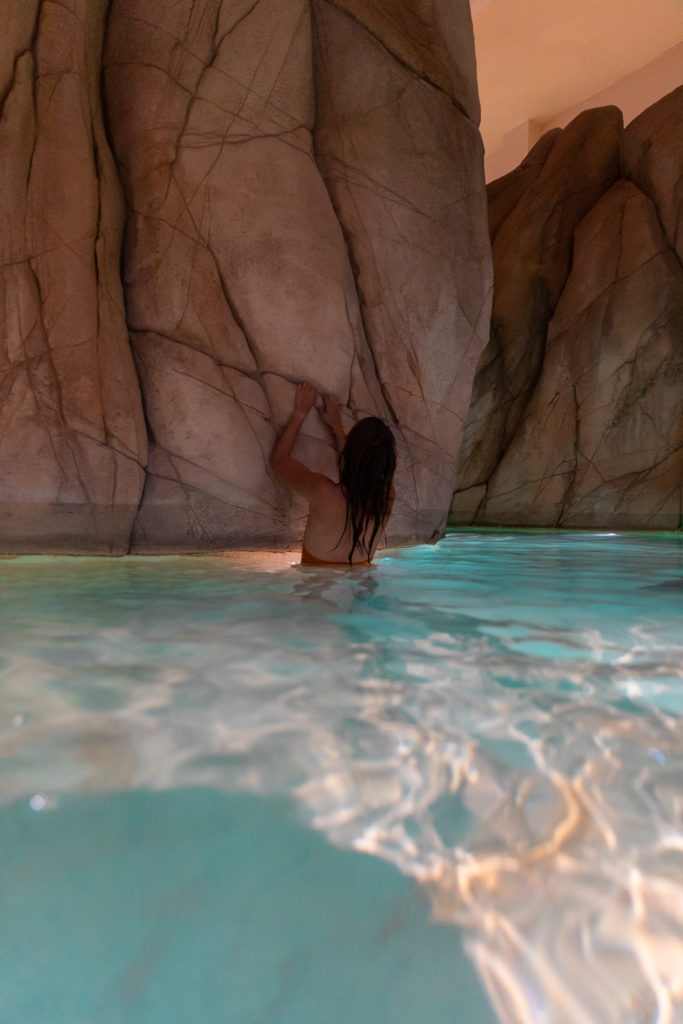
305	398
330	413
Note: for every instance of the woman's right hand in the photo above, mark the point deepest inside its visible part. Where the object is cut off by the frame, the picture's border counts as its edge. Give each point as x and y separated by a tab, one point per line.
305	398
330	413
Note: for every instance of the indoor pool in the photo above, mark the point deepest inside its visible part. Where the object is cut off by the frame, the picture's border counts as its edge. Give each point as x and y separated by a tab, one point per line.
443	790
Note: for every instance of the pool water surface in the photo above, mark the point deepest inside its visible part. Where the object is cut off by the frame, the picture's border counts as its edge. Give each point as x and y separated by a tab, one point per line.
447	788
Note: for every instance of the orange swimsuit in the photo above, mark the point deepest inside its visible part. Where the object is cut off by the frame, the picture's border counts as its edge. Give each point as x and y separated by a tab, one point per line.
308	559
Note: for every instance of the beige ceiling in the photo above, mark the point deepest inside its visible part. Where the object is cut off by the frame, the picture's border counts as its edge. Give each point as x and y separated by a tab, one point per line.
536	58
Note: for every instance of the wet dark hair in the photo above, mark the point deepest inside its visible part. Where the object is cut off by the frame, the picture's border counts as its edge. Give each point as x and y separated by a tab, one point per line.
366	470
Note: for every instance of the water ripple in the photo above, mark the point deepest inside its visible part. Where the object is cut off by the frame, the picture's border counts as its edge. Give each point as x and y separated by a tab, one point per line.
500	717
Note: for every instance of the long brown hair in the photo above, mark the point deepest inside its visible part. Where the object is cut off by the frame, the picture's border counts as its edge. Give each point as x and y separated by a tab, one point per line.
366	470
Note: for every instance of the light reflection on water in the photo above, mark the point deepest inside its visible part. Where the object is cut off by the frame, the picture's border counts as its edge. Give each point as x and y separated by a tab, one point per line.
499	716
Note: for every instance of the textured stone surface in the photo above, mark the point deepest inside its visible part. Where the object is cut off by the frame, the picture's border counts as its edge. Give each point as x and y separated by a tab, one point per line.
231	240
304	203
599	441
432	37
532	256
504	193
391	150
651	156
301	183
72	437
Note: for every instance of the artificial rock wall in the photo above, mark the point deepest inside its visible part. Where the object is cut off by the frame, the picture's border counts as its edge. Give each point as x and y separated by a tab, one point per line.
576	417
204	202
73	443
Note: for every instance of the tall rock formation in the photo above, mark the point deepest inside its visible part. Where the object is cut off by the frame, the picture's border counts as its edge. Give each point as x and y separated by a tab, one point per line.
306	201
577	410
73	443
392	126
301	183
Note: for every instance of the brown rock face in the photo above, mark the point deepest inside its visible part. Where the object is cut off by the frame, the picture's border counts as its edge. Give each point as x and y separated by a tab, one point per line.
388	147
279	226
601	440
651	157
72	438
532	256
432	37
237	280
504	193
311	209
596	438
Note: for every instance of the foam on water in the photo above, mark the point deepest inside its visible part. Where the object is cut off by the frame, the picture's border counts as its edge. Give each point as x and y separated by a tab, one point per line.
498	716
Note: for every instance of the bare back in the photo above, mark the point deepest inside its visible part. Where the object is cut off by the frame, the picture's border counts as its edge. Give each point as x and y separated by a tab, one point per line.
328	536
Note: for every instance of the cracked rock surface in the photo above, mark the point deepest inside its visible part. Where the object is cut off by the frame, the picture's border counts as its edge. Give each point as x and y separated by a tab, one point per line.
303	200
272	190
576	417
73	443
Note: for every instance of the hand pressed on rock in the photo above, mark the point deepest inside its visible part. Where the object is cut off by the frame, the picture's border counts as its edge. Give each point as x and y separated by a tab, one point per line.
330	413
305	398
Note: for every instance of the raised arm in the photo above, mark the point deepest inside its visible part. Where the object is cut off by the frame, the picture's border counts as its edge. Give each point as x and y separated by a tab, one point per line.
331	417
292	472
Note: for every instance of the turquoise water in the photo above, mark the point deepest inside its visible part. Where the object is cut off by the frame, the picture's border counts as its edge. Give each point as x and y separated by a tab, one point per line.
447	788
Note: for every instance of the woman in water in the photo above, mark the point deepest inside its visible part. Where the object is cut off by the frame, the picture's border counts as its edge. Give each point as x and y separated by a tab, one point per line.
345	518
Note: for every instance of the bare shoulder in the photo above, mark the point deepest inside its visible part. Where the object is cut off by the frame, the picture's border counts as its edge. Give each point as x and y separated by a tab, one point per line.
300	478
324	491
